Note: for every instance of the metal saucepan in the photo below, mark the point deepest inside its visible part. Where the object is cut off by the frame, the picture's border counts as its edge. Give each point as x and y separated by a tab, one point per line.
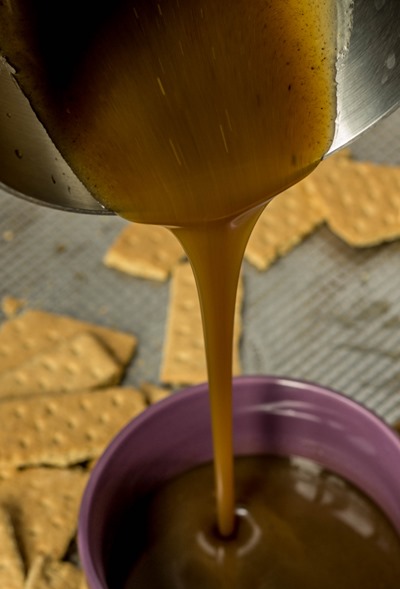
368	88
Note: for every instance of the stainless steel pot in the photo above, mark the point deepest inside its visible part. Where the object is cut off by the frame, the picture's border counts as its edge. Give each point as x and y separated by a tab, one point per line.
368	88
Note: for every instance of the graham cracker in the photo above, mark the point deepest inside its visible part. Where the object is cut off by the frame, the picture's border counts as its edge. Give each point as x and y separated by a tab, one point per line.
292	215
44	505
184	356
78	363
154	393
12	571
286	221
64	429
47	573
146	251
36	331
361	202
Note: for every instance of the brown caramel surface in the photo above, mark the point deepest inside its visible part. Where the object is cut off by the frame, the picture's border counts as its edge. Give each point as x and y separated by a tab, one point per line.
297	526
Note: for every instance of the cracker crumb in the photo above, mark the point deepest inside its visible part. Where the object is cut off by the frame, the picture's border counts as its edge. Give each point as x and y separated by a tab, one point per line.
154	393
11	306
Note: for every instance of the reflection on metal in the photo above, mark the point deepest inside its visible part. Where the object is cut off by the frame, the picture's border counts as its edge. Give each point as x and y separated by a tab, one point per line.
368	75
30	165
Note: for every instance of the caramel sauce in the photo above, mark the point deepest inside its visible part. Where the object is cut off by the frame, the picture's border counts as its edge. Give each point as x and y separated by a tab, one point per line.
297	526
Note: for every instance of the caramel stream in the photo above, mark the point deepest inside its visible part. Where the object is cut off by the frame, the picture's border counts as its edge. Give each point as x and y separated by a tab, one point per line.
211	250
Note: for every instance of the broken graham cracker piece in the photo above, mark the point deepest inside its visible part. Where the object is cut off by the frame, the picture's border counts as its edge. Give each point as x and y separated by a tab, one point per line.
287	219
145	251
184	356
47	573
78	363
35	331
64	429
44	505
361	202
292	215
12	570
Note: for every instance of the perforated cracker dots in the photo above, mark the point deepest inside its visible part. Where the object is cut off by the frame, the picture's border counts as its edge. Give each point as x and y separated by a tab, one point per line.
44	517
19	411
117	399
146	251
29	343
49	407
369	209
72	422
362	204
72	428
287	219
24	443
183	355
36	332
52	335
39	425
90	436
72	368
85	405
58	439
188	304
78	363
104	418
20	377
49	364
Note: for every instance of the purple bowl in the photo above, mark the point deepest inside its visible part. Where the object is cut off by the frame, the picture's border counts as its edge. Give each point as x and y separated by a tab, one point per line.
271	416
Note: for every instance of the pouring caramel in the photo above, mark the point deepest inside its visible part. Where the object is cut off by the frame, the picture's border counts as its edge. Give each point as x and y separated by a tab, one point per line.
188	115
